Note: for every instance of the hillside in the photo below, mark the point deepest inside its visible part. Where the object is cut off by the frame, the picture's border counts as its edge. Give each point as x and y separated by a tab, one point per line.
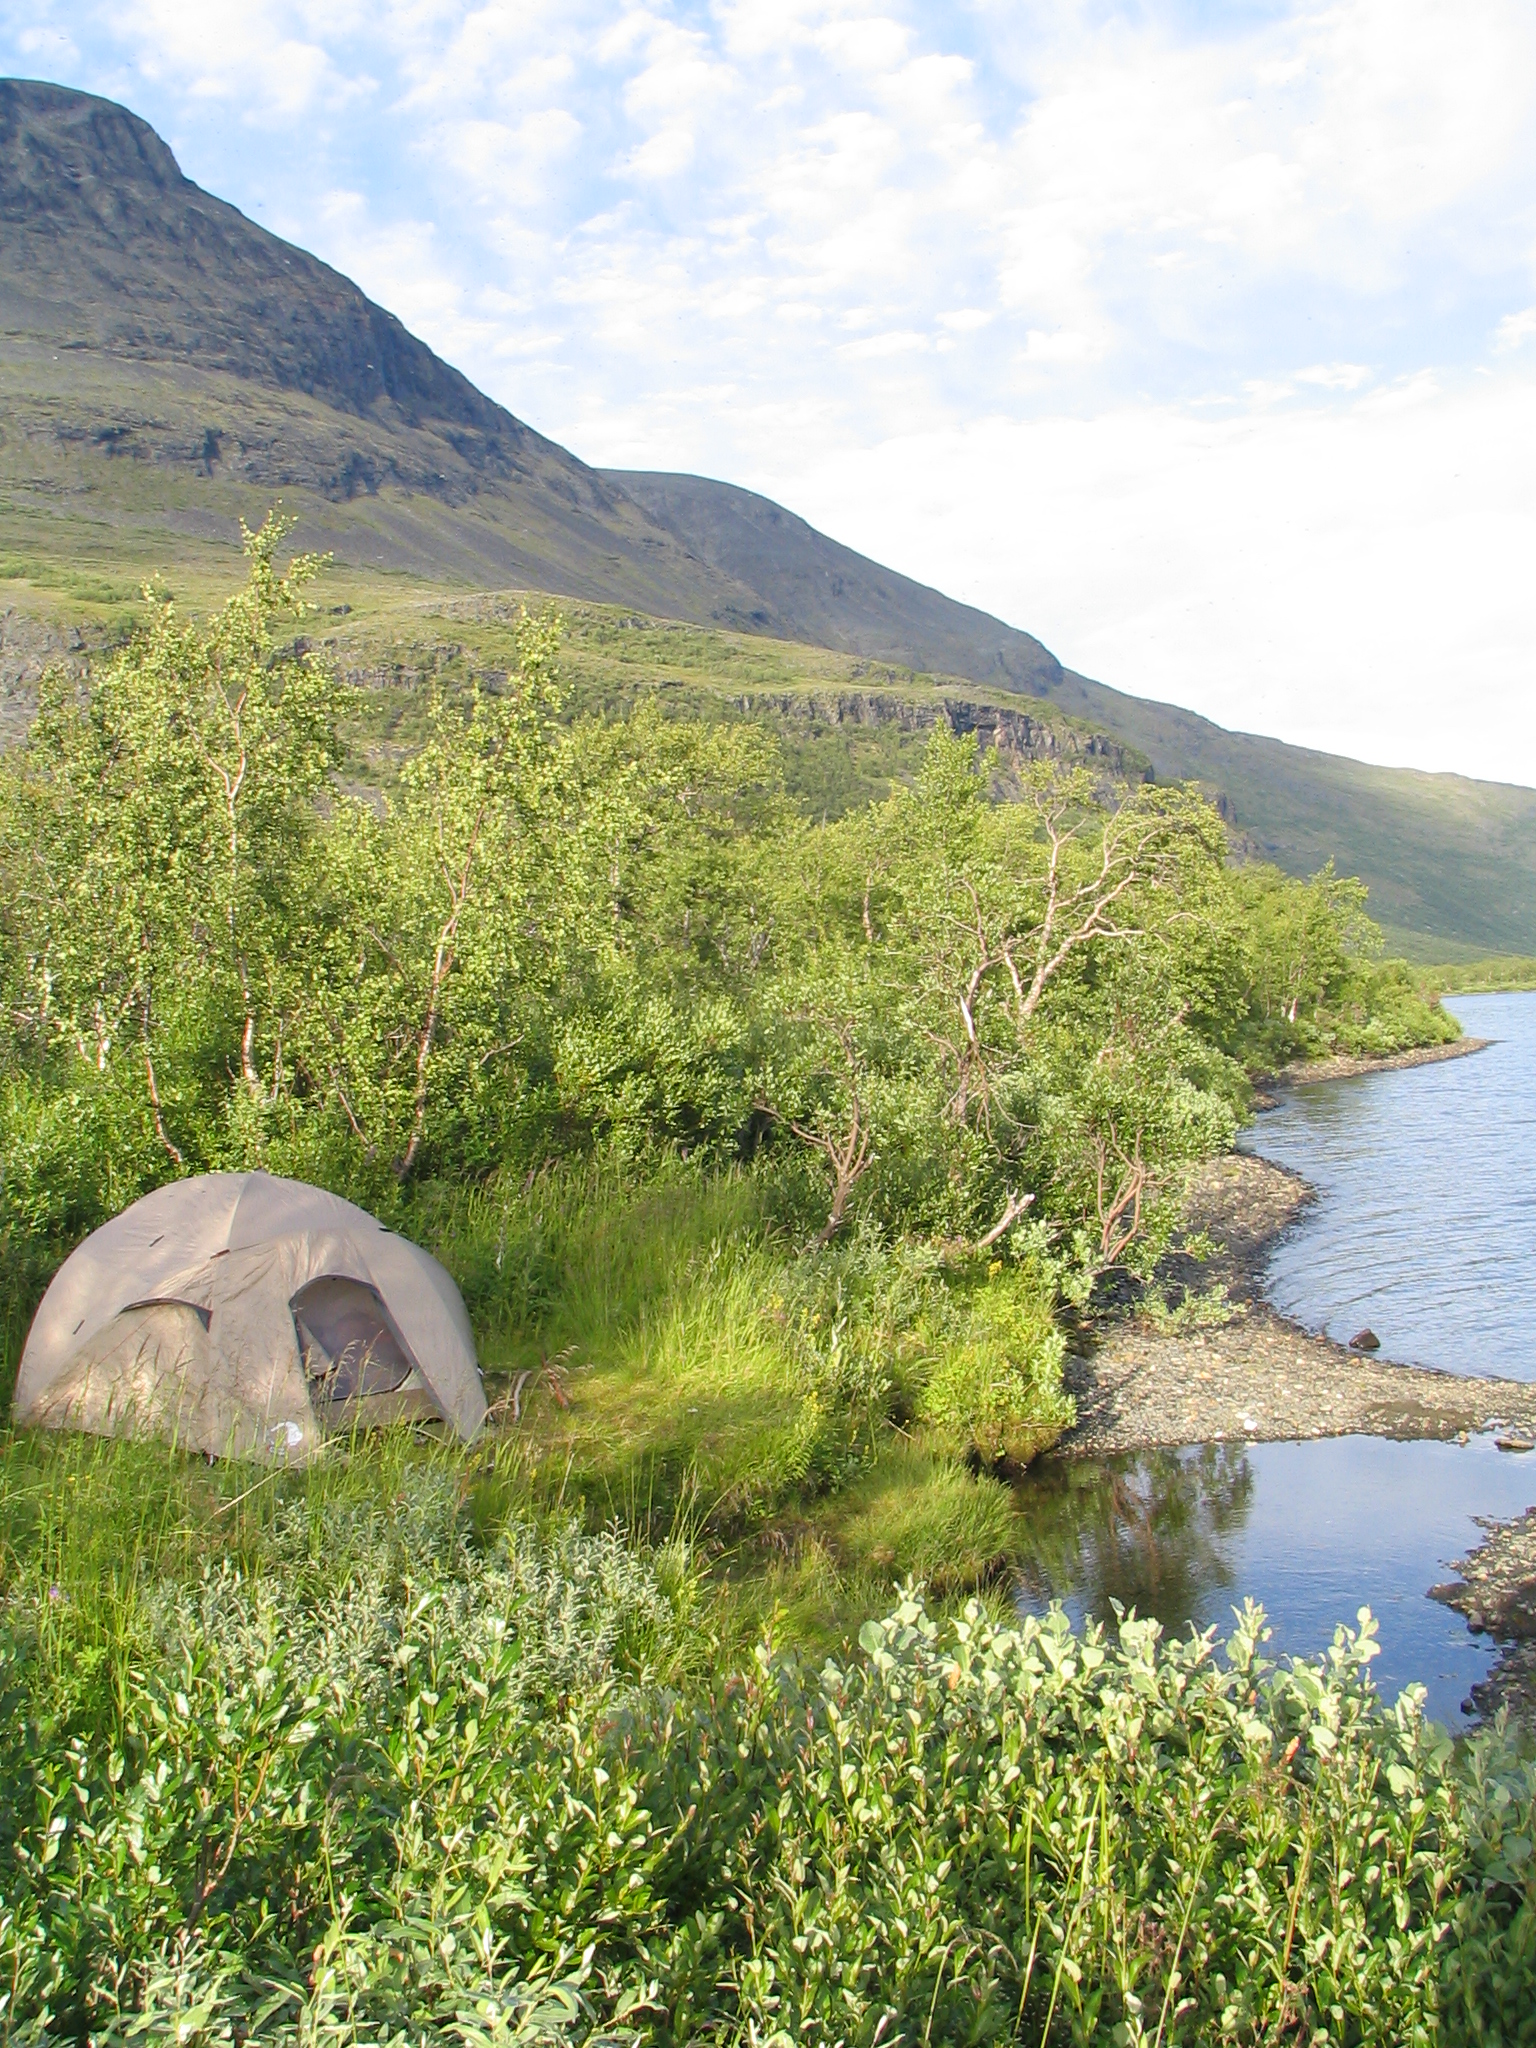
1445	856
846	727
167	367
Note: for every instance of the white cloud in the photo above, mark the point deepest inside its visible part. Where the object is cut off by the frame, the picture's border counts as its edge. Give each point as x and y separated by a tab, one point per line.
267	61
1335	376
1337	577
899	344
50	49
988	285
1515	329
1065	345
662	155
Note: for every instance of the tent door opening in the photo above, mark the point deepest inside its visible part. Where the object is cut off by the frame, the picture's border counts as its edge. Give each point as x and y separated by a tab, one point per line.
356	1365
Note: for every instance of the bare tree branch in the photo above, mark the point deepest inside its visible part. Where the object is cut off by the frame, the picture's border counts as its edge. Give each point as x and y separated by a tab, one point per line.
1016	1206
154	1094
847	1152
1118	1187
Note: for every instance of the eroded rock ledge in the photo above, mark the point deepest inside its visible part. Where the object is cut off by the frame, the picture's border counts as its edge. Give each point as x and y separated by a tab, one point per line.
1497	1594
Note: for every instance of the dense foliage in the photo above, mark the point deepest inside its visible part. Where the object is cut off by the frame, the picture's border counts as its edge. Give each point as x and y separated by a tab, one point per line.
380	1783
999	1007
827	1120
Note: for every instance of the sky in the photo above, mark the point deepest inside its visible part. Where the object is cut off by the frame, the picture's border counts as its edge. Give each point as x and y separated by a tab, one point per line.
1197	339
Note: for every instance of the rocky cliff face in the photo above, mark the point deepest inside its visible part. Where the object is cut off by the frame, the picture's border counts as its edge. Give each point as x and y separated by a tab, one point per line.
1017	735
28	648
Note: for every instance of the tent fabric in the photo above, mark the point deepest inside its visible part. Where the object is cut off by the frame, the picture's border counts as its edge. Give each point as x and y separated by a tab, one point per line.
245	1315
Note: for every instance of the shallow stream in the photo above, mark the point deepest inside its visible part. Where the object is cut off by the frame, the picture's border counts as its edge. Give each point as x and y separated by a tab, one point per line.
1312	1531
1424	1227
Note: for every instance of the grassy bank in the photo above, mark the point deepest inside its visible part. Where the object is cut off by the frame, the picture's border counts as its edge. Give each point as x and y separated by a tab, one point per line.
664	1353
1506	973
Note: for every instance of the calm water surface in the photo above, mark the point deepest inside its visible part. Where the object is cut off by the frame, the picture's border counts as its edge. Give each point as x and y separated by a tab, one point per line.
1425	1222
1424	1227
1313	1531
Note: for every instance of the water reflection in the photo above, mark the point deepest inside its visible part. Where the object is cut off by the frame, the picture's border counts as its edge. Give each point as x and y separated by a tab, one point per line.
1312	1531
1151	1532
1425	1228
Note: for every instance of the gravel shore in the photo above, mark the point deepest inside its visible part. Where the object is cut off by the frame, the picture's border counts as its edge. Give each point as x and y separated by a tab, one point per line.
1261	1377
1343	1064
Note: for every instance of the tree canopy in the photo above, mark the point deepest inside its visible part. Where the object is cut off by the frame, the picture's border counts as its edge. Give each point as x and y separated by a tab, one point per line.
1001	1008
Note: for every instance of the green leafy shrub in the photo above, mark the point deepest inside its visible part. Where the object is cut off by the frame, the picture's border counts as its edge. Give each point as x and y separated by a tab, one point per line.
434	1793
994	1390
916	1512
1384	1010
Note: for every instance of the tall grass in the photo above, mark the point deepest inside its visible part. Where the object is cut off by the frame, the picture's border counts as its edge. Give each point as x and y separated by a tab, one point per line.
663	1356
680	1364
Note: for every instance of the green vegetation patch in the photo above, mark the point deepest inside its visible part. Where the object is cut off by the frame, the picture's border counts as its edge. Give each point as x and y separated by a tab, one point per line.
772	1152
93	590
1508	973
375	1776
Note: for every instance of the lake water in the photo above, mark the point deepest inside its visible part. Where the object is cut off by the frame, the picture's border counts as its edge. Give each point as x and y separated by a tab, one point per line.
1425	1223
1313	1531
1424	1228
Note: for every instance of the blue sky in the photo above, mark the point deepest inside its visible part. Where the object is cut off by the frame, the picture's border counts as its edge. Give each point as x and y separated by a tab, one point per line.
1200	340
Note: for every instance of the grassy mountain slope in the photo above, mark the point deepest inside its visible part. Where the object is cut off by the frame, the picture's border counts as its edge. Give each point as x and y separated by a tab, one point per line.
167	367
831	596
1447	858
847	727
167	364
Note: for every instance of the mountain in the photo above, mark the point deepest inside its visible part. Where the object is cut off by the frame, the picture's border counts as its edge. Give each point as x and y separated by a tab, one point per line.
167	362
815	589
168	366
1448	859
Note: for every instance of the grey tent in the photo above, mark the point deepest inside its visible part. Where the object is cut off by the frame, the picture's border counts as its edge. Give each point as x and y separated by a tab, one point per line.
243	1315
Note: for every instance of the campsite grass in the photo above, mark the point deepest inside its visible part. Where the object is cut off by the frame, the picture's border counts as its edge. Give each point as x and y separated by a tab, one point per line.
683	1370
427	1742
678	1369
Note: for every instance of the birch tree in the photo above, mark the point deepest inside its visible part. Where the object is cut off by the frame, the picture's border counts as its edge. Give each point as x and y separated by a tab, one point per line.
451	917
161	823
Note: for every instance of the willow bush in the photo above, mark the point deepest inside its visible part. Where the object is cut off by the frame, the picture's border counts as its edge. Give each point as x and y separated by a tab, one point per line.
454	1793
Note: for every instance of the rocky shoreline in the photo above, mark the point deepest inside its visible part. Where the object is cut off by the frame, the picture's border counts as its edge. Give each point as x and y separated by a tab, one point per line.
1341	1065
1497	1594
1344	1066
1261	1378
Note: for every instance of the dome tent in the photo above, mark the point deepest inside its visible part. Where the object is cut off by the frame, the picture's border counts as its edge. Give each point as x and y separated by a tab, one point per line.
244	1315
